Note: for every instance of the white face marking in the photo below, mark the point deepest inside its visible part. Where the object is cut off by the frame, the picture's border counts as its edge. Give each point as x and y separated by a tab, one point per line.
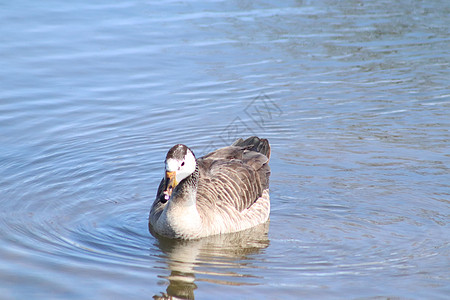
183	168
172	165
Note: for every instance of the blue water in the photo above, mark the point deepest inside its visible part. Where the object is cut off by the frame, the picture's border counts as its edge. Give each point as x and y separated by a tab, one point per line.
353	96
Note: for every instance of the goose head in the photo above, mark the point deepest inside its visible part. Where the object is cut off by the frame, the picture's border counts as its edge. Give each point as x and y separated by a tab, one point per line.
180	163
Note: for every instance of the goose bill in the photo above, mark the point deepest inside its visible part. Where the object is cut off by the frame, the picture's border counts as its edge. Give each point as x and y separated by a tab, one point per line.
170	184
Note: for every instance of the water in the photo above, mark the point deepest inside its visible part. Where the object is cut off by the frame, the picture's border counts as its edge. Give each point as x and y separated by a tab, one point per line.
353	96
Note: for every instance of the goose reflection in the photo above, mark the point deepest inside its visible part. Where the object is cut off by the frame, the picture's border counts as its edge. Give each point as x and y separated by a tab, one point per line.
220	259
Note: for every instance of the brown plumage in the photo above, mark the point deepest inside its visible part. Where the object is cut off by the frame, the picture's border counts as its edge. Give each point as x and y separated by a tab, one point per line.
224	191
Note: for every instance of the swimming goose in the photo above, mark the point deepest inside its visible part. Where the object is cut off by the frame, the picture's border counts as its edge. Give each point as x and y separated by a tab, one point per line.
224	191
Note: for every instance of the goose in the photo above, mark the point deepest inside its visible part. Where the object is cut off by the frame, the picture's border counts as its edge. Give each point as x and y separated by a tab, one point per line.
224	191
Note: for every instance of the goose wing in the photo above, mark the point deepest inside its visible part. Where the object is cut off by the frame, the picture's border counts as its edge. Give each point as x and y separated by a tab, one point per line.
234	176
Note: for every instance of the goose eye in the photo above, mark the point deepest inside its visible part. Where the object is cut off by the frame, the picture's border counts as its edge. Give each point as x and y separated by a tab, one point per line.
182	164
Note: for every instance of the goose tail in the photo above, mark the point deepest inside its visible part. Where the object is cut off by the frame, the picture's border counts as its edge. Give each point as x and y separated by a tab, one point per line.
254	143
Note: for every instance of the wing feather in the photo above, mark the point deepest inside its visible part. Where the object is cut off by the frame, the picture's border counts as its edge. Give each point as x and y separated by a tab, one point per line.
233	177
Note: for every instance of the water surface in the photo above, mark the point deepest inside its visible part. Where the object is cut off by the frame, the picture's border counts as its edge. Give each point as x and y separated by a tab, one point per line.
353	96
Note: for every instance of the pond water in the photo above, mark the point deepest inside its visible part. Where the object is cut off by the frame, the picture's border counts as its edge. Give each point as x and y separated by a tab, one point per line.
353	96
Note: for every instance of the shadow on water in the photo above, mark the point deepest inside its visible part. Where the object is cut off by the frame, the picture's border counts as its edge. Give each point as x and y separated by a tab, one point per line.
217	259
